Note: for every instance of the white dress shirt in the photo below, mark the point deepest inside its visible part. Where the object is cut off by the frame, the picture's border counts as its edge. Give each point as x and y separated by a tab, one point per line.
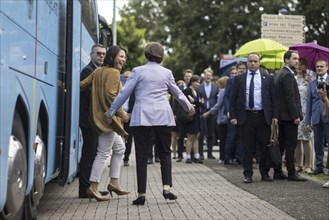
257	91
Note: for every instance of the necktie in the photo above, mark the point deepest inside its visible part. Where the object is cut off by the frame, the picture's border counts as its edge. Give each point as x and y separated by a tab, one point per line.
321	78
251	91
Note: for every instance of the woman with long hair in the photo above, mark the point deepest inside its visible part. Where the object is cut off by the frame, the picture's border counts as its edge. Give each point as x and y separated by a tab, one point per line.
105	88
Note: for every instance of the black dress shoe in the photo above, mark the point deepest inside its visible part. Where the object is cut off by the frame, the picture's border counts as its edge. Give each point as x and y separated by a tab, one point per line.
296	177
179	159
157	160
139	201
279	176
239	162
317	172
188	160
234	162
247	180
227	162
150	161
104	193
85	196
211	157
169	195
197	160
266	178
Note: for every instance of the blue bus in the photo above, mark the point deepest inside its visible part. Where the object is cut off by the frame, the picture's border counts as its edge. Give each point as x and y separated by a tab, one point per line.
44	45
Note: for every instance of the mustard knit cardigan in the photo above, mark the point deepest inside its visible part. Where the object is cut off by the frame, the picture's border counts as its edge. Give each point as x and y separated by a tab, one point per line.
105	88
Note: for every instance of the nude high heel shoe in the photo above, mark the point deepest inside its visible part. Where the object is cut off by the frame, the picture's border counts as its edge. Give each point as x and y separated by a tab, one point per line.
118	191
92	192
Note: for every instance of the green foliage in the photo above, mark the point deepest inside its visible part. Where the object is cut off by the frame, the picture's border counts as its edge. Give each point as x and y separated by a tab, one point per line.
132	39
317	22
195	32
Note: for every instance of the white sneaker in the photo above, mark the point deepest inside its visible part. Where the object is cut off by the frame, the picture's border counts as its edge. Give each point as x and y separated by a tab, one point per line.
326	184
221	161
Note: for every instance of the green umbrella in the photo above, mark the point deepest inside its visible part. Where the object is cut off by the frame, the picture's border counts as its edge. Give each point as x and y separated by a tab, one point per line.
273	61
260	46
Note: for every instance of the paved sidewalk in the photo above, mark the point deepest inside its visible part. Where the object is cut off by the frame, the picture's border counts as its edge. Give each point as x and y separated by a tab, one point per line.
202	194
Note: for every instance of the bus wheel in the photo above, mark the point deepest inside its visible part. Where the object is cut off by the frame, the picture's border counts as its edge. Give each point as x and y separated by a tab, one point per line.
17	172
32	200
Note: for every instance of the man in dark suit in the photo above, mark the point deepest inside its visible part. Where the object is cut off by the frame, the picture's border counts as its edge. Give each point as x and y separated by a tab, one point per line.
253	108
89	147
128	107
290	114
208	92
233	147
187	74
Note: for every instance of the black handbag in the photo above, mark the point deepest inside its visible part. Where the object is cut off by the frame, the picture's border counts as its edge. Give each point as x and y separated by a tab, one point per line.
183	115
274	158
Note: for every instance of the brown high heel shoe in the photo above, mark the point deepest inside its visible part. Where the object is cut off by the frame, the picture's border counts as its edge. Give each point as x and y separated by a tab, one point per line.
119	192
99	198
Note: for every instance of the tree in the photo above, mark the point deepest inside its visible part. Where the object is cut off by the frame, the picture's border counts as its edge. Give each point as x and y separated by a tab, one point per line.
194	32
317	23
132	39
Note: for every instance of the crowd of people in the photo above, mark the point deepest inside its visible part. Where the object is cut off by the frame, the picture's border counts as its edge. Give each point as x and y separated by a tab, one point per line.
180	119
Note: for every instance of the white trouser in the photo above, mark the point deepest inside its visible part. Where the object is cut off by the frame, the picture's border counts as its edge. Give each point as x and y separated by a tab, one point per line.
106	143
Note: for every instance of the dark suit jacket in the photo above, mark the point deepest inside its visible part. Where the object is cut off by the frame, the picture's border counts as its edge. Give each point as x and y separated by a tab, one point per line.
227	93
85	97
238	98
174	103
289	103
212	98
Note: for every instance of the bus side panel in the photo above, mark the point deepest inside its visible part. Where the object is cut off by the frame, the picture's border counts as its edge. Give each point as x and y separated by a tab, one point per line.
81	44
75	92
21	13
17	61
48	62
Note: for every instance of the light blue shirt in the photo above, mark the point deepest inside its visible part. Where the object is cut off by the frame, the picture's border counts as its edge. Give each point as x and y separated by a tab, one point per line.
207	88
257	91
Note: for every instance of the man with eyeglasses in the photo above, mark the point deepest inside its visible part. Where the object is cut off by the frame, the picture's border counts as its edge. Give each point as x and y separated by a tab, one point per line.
89	147
315	116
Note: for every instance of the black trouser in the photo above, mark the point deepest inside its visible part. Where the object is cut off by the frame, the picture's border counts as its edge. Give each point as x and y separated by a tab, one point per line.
156	151
210	122
222	133
288	131
129	141
255	132
181	136
143	143
89	149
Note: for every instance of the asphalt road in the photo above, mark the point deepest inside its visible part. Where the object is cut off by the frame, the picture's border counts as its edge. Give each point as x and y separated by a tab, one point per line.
302	200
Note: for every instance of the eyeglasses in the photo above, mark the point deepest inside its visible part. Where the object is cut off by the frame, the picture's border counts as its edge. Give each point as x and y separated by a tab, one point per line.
99	53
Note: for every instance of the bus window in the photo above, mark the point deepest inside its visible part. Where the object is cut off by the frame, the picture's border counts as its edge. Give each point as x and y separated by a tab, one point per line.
89	17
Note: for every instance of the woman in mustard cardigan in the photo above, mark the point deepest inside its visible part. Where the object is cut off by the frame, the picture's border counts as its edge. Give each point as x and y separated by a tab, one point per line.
105	87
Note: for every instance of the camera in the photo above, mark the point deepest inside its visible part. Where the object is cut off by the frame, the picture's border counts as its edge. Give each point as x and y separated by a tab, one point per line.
321	86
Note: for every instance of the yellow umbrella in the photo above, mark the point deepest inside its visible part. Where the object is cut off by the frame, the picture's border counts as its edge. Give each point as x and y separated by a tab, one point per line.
273	61
261	46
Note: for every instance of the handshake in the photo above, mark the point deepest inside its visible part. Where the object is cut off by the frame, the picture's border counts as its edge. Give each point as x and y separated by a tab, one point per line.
125	117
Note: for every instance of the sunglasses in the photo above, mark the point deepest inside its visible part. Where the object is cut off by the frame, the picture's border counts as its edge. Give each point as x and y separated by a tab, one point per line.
99	53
